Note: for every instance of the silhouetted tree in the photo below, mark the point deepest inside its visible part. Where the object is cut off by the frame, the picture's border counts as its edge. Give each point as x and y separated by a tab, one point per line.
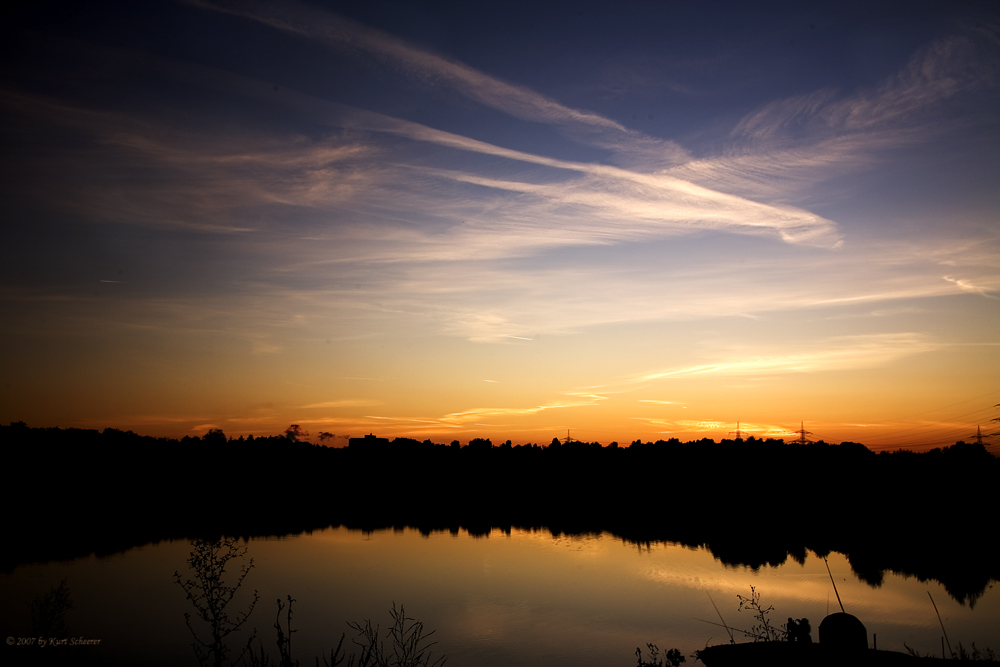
215	436
480	444
296	433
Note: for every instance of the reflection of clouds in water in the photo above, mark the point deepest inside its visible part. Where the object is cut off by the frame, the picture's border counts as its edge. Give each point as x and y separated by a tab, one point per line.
544	593
795	590
534	579
675	578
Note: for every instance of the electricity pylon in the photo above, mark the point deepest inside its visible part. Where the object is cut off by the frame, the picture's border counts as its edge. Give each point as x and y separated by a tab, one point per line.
803	433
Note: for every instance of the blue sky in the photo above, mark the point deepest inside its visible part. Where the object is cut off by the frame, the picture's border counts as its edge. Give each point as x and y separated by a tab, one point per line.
503	219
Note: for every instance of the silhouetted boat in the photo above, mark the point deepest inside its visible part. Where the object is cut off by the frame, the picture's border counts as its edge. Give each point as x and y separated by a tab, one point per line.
843	640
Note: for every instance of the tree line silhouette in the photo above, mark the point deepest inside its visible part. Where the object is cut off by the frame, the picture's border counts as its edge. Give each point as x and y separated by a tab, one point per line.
751	502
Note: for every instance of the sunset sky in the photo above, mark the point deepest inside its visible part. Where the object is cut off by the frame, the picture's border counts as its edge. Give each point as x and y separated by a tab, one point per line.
449	220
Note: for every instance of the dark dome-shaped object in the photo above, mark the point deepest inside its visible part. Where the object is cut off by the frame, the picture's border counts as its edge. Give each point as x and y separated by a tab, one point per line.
842	631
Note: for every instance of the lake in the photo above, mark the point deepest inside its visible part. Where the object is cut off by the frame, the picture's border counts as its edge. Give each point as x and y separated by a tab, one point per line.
525	598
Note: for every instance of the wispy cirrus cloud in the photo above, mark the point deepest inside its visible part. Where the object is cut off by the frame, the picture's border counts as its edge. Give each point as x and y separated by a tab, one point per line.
476	414
793	143
956	64
486	302
211	182
606	193
518	101
343	403
619	205
968	286
372	197
843	353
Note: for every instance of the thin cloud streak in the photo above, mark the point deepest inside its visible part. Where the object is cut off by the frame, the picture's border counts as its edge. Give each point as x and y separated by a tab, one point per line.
542	300
686	202
345	403
791	144
474	414
969	287
487	302
843	353
654	205
472	417
604	205
517	101
957	64
610	194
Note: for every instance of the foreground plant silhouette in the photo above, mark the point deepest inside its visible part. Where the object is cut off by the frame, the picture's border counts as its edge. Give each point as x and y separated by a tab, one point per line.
763	631
211	596
408	644
48	613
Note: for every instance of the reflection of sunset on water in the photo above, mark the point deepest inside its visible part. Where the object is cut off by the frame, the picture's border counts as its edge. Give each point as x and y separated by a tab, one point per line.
527	597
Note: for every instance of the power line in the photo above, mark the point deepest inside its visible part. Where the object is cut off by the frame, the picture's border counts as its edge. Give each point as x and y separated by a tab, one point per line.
934	430
968	400
946	438
937	424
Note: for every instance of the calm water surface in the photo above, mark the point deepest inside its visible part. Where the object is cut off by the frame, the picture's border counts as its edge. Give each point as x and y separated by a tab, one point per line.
527	598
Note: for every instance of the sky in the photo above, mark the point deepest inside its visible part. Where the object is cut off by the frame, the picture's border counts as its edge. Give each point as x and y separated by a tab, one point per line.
514	220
